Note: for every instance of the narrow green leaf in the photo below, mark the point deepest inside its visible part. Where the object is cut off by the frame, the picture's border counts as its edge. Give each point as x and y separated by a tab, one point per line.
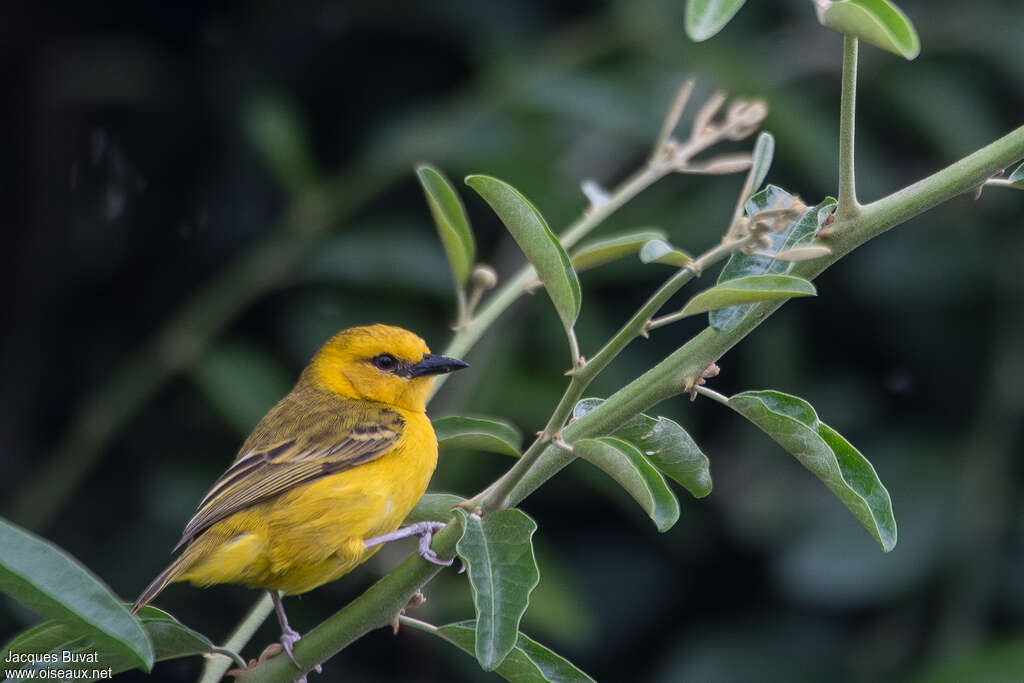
665	444
795	426
433	507
275	128
528	662
705	18
625	464
450	218
594	254
489	434
498	552
47	580
800	231
764	153
1017	177
659	251
746	290
878	22
171	639
535	238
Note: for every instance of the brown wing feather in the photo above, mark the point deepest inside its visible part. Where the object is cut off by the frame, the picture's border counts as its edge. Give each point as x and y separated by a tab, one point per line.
307	435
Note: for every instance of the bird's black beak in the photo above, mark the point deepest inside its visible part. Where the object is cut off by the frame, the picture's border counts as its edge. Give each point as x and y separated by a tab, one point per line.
433	364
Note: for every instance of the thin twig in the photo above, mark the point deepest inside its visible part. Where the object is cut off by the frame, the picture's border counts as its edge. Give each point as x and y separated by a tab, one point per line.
675	112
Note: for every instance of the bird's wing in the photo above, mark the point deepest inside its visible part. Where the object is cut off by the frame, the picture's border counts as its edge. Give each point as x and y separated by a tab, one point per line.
327	439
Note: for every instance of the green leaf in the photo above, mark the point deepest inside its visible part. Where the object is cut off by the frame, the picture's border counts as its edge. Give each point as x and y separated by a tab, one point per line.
665	444
528	662
433	507
275	128
535	238
242	381
171	639
764	152
659	251
795	426
594	254
625	464
47	580
498	553
746	290
878	22
705	18
450	218
478	434
799	231
1017	177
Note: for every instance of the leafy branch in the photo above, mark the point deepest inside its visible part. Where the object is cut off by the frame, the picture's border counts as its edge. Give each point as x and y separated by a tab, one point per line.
681	372
775	245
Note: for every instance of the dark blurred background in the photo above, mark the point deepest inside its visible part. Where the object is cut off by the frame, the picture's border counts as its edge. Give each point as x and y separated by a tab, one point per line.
173	257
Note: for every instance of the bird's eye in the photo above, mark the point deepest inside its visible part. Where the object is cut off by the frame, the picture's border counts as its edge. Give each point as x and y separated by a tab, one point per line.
385	361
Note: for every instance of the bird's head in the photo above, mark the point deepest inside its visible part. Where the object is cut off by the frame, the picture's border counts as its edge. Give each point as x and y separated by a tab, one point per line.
379	363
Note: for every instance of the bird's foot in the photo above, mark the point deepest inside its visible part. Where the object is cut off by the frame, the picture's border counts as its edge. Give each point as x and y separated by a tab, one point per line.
426	537
289	637
425	530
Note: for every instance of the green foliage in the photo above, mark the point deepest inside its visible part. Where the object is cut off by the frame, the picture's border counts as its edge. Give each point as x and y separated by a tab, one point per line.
665	444
170	638
498	554
795	426
535	238
644	448
878	22
747	290
705	18
492	435
594	254
761	162
527	662
451	221
660	251
799	231
49	581
621	461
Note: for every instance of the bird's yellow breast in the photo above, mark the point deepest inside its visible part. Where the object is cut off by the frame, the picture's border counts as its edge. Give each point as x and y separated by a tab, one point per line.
314	533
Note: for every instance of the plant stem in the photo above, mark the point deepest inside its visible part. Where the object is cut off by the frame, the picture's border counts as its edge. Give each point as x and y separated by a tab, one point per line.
507	294
709	258
376	607
217	665
848	206
668	378
496	496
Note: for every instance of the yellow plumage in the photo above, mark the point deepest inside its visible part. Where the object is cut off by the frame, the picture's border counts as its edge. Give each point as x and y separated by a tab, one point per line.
341	459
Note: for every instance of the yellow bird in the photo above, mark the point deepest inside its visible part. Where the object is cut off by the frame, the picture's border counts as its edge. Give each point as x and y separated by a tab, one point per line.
326	476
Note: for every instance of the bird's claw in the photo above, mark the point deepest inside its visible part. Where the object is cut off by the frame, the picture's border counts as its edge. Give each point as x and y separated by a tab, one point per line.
425	551
289	637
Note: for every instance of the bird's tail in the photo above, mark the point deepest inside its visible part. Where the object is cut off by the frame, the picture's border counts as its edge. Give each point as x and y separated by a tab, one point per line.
160	582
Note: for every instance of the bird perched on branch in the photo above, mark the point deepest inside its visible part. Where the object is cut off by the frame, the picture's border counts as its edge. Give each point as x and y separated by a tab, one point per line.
326	476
